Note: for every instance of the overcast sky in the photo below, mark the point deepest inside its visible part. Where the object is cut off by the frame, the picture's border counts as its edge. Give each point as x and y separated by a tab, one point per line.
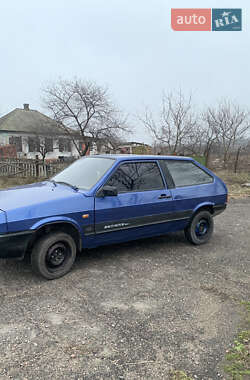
127	45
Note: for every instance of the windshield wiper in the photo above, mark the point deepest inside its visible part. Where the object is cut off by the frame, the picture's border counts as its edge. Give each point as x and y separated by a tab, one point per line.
66	183
52	181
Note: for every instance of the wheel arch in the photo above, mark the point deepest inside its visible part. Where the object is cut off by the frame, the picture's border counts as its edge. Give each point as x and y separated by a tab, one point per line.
62	225
206	206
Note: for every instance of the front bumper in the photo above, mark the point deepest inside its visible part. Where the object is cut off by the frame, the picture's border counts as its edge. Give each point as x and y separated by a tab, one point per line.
14	245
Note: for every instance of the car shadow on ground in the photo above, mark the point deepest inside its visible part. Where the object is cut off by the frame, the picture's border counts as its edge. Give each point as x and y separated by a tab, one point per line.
13	270
135	248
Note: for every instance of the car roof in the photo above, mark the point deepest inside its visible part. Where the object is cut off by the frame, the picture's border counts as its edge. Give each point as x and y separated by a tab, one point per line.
128	157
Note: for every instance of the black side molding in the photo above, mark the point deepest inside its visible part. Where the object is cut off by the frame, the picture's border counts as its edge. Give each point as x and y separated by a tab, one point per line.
218	209
125	224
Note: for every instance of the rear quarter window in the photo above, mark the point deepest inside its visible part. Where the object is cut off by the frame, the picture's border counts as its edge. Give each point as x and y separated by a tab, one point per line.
186	173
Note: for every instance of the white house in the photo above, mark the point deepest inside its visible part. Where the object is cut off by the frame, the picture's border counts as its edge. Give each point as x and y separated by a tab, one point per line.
133	147
29	130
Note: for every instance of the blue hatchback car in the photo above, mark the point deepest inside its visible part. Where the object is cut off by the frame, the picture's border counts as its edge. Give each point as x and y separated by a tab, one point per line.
107	199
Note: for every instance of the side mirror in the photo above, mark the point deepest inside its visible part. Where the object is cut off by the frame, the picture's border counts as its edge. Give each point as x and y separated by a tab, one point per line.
110	191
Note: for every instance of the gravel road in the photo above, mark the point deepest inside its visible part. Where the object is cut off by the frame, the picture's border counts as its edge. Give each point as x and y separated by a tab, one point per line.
130	311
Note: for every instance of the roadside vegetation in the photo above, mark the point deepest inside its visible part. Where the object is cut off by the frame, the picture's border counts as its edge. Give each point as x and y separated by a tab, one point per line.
236	364
179	375
234	182
237	361
6	182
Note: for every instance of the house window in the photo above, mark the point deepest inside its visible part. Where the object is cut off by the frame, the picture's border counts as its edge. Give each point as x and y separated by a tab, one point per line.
81	145
64	145
34	144
17	141
48	144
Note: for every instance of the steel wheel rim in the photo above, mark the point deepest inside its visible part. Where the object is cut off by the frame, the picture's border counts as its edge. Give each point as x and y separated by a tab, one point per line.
202	228
56	256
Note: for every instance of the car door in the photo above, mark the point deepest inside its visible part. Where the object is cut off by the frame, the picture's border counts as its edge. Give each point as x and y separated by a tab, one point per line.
141	207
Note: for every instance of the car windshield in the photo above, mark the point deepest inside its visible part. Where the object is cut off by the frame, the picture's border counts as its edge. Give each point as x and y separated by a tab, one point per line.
84	173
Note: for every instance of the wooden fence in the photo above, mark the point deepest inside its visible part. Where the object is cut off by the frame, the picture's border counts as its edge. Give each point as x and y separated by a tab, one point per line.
29	168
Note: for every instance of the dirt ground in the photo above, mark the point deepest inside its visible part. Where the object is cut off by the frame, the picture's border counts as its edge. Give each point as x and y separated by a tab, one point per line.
131	311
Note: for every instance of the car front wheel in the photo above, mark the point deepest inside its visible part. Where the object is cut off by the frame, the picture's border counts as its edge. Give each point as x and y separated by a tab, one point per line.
200	230
53	255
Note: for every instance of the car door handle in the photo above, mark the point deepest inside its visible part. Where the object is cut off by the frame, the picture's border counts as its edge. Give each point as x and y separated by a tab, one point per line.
164	196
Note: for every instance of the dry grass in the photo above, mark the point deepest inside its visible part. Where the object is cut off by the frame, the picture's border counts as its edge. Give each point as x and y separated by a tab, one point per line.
234	183
6	182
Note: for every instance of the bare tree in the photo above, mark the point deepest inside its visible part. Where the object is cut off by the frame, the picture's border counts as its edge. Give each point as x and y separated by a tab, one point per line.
42	148
227	123
84	111
176	123
208	135
241	148
194	139
42	145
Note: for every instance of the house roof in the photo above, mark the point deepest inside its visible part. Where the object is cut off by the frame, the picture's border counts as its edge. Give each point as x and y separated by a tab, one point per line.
30	121
133	143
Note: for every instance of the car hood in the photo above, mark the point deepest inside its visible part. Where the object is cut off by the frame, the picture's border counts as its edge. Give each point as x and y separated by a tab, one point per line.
34	194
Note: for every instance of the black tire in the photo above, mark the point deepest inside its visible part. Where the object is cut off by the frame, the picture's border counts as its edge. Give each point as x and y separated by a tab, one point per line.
200	230
53	255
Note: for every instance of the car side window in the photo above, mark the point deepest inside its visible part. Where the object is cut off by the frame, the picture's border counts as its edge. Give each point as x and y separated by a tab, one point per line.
186	173
136	176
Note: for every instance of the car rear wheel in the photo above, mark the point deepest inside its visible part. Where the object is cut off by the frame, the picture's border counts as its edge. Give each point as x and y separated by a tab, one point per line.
200	230
53	255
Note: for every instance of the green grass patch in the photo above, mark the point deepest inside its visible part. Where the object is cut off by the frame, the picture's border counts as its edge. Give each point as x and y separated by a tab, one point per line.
238	357
179	375
200	159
